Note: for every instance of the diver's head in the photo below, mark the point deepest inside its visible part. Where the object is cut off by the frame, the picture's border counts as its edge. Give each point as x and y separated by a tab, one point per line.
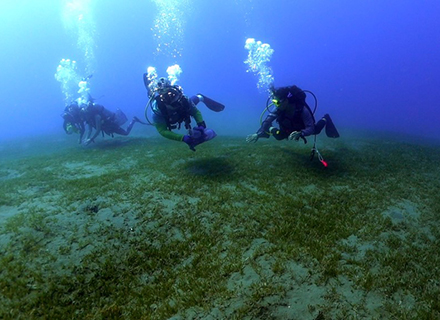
71	112
69	119
279	100
162	83
73	107
281	104
170	95
69	128
283	96
69	124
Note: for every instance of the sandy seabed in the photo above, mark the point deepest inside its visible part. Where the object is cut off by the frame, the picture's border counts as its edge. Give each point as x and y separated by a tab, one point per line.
144	228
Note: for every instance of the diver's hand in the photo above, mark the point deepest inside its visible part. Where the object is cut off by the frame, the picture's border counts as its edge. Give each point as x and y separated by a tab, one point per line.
295	135
252	138
200	128
189	141
197	132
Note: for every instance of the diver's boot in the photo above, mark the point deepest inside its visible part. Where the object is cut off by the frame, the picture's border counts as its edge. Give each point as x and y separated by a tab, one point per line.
330	129
211	104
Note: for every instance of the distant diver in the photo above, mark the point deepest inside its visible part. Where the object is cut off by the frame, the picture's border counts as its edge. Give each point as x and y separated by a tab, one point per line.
73	120
101	120
97	118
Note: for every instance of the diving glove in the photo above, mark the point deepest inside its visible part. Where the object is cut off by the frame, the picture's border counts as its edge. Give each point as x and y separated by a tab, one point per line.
295	135
252	138
197	136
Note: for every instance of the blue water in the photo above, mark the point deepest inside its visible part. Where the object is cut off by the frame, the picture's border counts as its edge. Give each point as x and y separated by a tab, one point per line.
374	65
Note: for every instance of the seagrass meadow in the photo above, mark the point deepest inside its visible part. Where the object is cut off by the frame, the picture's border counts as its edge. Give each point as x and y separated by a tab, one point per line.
143	228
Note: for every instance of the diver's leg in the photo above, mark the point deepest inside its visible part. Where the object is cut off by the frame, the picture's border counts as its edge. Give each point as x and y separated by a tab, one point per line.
121	131
130	126
330	129
211	104
126	132
196	99
320	125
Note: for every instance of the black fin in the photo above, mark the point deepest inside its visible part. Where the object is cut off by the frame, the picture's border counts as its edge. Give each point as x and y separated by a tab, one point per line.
330	129
213	105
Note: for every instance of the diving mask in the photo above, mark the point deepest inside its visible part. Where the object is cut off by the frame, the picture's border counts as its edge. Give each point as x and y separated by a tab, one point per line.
71	129
276	102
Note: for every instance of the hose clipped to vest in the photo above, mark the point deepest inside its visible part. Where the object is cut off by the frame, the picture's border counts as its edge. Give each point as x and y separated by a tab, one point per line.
146	109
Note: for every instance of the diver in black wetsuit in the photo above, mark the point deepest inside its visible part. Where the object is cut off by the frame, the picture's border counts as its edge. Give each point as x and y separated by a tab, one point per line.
294	117
102	120
73	120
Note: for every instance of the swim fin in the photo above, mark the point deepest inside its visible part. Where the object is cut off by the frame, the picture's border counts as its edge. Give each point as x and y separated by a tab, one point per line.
211	104
120	117
330	129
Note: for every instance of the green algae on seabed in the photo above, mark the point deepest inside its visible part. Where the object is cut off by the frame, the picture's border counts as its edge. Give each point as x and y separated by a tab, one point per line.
145	229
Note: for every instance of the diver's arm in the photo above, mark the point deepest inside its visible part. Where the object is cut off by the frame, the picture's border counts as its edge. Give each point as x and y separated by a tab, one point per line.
98	120
164	132
98	130
263	132
309	123
89	131
199	118
82	130
195	113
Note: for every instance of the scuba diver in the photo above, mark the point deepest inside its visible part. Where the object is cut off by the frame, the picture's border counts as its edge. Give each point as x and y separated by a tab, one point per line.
84	111
295	118
73	120
171	108
104	121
